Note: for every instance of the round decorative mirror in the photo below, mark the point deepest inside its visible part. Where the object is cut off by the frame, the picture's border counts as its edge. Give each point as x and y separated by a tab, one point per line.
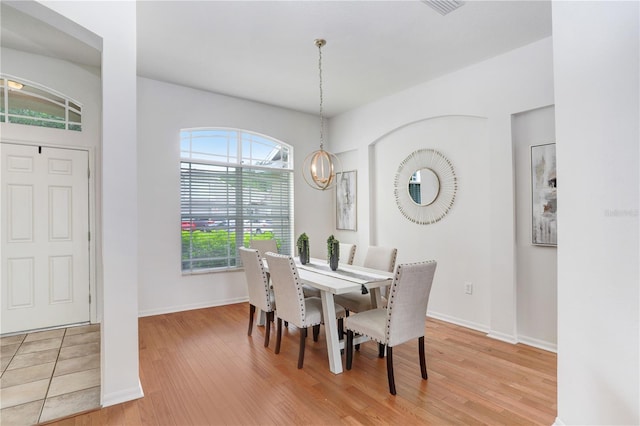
425	186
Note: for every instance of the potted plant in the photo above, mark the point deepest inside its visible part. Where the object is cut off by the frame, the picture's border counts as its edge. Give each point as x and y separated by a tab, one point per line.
333	252
303	248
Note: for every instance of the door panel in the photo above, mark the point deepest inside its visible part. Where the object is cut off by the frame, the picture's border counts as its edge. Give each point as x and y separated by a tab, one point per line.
44	237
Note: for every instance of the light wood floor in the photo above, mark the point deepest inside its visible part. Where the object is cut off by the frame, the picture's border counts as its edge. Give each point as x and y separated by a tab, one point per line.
200	368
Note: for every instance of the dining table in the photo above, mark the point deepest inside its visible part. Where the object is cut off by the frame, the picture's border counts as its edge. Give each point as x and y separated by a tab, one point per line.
346	278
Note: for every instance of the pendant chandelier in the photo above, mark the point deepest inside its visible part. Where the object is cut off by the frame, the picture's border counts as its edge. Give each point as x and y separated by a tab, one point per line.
320	167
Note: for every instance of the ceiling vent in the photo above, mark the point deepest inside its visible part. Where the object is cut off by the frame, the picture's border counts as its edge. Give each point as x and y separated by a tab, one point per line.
443	6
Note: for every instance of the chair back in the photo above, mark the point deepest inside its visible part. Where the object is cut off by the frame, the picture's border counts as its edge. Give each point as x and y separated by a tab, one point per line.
408	299
347	253
257	282
287	288
264	246
381	258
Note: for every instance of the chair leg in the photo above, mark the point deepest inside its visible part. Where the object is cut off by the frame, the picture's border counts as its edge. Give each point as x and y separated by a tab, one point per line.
316	332
423	360
380	350
349	347
303	338
267	330
278	335
252	311
340	328
392	383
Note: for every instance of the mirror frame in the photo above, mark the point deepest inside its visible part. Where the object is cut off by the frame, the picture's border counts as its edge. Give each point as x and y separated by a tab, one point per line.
443	169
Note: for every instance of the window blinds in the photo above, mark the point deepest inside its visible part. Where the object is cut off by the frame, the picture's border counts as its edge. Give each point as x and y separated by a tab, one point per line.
224	207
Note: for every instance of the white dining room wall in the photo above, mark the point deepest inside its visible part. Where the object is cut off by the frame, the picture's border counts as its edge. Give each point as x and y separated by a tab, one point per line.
467	116
163	110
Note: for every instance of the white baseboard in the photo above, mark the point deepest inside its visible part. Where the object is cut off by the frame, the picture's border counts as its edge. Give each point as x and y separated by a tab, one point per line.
122	396
559	422
508	338
190	307
537	343
458	321
503	337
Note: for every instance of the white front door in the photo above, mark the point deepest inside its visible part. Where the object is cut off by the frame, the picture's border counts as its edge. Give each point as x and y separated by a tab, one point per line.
44	235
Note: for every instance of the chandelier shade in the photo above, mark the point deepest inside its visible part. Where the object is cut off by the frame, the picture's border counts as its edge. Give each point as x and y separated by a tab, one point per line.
320	167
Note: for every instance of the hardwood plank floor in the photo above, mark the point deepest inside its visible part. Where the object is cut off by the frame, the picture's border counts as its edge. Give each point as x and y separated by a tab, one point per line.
200	368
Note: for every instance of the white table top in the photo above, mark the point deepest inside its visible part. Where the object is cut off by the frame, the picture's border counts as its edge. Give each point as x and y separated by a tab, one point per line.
345	279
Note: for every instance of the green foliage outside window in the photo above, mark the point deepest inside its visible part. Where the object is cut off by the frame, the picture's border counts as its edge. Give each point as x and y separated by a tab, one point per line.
208	250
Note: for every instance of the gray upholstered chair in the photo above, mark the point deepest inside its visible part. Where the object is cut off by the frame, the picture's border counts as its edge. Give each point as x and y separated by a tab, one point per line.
402	320
264	246
260	295
347	253
381	258
293	307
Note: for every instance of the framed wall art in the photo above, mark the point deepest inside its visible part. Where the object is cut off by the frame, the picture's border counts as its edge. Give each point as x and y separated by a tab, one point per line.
346	200
544	202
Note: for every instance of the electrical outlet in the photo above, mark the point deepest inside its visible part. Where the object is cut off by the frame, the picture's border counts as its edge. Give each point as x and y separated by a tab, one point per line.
468	288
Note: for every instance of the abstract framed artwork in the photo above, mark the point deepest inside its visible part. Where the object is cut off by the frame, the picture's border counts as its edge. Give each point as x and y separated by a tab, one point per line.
544	202
346	200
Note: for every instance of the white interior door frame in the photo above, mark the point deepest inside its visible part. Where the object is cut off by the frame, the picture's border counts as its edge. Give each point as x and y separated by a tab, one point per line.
94	312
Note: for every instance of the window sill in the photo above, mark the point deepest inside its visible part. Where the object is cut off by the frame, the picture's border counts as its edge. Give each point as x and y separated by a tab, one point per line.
211	271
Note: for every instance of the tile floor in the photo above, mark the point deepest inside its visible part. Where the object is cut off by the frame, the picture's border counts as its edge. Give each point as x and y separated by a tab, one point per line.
50	374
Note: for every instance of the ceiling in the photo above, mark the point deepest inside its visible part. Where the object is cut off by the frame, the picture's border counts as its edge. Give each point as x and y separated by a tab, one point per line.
264	50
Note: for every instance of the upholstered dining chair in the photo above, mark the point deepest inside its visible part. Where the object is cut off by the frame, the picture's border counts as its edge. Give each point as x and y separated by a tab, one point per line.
264	246
293	307
260	295
347	253
402	320
377	257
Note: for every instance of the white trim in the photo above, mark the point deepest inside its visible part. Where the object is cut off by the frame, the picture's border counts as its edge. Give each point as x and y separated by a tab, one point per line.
503	337
93	253
191	306
458	321
537	343
122	396
559	422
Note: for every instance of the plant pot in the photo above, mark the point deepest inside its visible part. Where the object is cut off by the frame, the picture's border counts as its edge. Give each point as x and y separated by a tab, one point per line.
304	253
335	256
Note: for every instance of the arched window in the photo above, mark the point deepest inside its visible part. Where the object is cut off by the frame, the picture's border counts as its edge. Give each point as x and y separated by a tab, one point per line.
235	186
22	102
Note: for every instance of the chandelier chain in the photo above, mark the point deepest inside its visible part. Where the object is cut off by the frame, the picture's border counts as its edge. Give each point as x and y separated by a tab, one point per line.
321	95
